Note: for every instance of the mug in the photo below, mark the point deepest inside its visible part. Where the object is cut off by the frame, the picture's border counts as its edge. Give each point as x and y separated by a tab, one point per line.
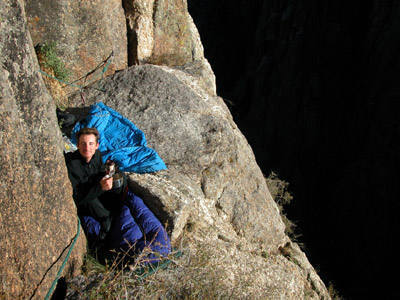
118	180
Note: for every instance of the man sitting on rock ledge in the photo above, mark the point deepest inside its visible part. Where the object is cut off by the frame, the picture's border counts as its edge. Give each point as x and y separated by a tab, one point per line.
87	175
99	203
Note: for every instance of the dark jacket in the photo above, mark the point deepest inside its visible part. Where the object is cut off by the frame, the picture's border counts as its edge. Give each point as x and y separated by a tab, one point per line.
85	177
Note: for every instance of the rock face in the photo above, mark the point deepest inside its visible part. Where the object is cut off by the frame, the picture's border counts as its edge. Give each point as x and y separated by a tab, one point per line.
85	33
161	32
37	214
213	184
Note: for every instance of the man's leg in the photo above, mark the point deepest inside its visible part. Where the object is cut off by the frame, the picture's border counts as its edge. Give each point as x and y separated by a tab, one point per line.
97	210
155	235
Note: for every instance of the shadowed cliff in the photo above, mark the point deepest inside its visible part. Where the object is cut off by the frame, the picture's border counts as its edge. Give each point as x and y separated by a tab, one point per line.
314	88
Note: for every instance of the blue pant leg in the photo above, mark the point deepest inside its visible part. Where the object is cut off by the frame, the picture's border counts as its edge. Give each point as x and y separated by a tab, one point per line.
155	235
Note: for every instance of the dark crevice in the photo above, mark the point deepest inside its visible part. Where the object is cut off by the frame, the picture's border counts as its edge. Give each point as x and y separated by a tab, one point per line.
50	267
154	203
131	33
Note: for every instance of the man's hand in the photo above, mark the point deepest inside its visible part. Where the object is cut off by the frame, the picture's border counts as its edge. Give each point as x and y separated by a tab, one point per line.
106	183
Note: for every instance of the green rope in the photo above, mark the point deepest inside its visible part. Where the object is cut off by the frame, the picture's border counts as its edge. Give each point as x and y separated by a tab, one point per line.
106	66
108	60
105	69
151	268
60	80
64	262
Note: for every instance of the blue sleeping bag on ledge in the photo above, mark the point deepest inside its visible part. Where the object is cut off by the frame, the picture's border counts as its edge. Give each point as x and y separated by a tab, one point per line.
120	140
135	229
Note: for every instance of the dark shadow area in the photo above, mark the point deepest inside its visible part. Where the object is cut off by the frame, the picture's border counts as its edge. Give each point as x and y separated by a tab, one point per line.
154	204
53	264
61	290
314	89
70	116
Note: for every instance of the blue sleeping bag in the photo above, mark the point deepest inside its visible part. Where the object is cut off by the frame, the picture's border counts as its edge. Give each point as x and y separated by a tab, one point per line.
135	229
120	140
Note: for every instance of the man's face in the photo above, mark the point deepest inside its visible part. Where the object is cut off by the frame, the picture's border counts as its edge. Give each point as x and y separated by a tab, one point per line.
87	146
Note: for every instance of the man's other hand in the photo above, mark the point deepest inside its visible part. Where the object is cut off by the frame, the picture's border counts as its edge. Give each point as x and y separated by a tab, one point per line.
106	183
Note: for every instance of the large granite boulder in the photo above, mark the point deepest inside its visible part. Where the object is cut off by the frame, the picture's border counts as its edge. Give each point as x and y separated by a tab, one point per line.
213	186
161	32
85	33
37	215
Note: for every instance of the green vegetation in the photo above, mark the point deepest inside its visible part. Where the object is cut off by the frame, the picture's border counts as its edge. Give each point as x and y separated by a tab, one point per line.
199	273
187	277
51	64
50	60
333	292
279	191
